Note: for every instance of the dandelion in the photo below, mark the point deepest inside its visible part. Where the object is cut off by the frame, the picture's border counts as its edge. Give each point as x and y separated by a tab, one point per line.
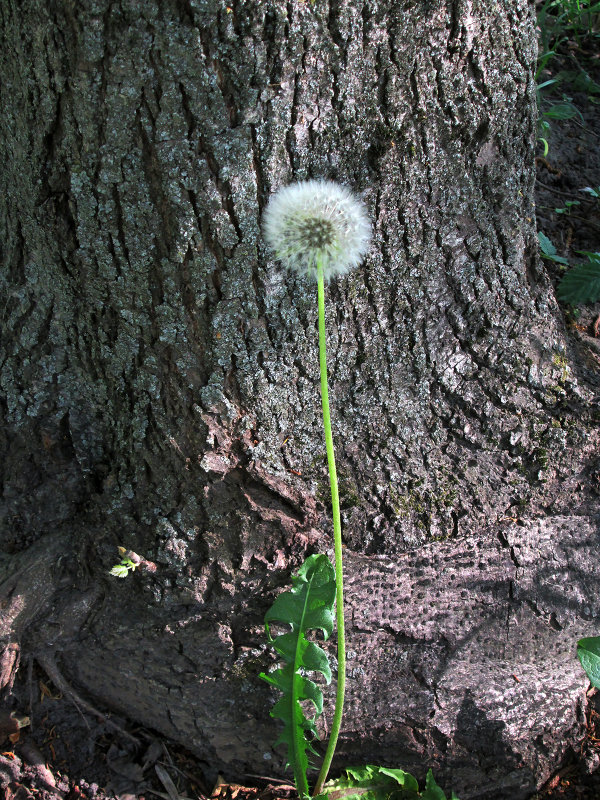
319	228
317	224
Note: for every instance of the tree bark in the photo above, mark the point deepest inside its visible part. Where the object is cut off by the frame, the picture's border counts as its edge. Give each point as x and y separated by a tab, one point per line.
159	376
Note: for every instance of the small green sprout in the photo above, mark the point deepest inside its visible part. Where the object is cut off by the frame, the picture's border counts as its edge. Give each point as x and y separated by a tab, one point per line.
568	206
123	568
129	562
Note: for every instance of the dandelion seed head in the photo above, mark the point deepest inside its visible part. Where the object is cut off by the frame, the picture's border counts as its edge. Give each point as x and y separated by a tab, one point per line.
313	222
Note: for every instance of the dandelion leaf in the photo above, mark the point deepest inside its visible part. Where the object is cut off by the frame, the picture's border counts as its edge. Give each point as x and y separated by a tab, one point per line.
381	783
307	606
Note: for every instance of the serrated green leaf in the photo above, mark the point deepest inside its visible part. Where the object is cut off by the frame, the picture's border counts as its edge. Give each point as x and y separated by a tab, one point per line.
404	779
549	251
372	783
119	571
317	613
307	606
286	681
381	783
546	245
313	657
582	283
588	652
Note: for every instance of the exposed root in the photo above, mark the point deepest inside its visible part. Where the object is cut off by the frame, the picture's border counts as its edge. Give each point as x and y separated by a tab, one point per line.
50	667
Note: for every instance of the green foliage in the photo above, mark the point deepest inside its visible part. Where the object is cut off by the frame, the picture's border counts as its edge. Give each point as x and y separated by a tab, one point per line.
578	81
560	19
563	110
588	652
307	606
567	208
594	192
559	22
549	251
380	783
582	283
123	568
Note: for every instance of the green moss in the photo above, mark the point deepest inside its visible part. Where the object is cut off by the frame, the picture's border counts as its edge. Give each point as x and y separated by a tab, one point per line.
423	503
560	360
349	497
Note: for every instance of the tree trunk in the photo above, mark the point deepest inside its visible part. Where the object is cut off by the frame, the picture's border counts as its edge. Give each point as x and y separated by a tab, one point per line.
159	376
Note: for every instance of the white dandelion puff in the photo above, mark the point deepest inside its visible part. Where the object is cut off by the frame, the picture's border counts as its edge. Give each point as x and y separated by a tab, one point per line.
314	223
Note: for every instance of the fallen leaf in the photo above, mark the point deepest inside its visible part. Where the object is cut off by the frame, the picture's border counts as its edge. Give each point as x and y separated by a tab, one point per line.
47	692
166	781
11	723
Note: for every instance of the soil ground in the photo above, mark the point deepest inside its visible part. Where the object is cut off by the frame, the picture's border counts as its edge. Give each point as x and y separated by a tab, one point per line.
69	753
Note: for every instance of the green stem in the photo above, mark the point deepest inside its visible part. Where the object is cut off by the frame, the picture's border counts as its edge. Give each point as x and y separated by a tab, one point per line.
337	543
300	778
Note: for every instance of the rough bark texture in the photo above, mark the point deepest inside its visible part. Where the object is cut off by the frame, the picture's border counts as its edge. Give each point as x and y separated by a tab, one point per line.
159	375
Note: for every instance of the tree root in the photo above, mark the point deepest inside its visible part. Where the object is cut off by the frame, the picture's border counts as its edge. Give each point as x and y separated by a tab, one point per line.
50	667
